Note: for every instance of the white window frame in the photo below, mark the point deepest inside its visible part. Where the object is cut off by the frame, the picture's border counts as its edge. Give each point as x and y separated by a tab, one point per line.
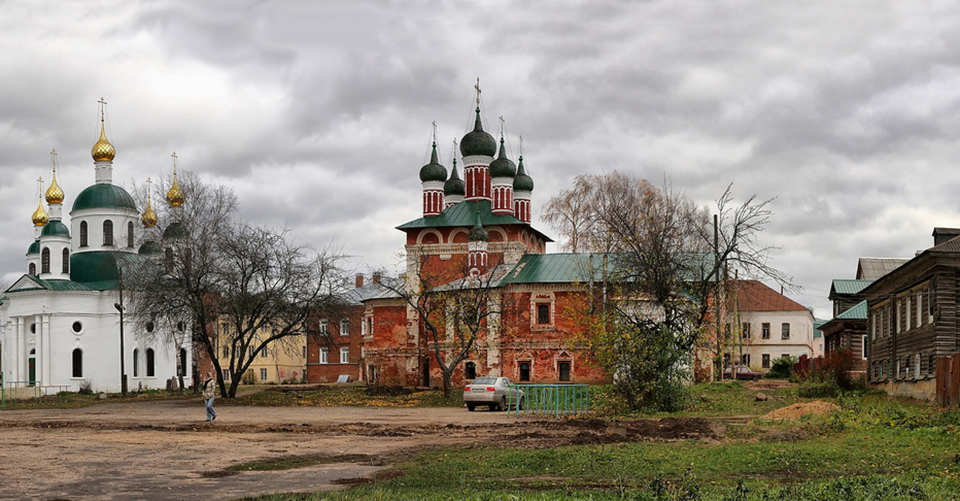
344	354
324	327
324	355
344	327
263	374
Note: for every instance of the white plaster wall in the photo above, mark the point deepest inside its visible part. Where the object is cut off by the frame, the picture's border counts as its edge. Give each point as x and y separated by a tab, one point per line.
95	219
800	342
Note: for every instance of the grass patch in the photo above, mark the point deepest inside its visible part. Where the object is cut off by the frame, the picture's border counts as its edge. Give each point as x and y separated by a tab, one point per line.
69	400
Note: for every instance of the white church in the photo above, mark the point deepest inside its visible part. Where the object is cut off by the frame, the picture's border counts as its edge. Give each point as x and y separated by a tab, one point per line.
60	323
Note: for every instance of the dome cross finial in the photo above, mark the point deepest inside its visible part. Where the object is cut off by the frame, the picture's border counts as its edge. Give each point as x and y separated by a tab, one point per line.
175	195
477	86
103	108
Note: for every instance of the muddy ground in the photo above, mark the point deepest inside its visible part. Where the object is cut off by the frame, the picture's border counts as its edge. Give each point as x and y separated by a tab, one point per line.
165	451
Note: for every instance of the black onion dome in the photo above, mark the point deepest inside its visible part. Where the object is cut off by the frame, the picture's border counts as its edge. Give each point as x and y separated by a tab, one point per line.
454	185
478	142
522	182
502	166
433	171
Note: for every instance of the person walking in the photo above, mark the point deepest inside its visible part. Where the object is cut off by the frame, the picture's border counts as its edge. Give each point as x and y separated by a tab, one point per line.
209	393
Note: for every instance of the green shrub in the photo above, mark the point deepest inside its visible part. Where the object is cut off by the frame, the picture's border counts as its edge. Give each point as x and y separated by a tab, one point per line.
782	367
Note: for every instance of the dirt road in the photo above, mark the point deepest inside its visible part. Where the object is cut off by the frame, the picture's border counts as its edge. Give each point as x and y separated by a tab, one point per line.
165	451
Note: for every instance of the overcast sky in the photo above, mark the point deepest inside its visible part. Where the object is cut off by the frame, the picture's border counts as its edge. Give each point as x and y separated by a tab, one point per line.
318	113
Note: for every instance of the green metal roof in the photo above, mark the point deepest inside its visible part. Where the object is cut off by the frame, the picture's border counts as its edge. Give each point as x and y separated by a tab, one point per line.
107	196
55	228
34	248
464	214
175	230
848	286
557	268
56	285
98	269
817	333
858	312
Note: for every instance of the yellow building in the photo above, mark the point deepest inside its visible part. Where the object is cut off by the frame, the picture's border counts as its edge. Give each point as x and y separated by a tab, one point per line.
282	361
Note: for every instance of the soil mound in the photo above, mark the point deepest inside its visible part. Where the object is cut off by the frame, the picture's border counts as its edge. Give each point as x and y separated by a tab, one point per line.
797	411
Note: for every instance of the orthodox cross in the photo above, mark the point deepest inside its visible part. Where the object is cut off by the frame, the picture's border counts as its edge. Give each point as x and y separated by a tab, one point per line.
103	107
53	160
521	146
502	122
173	156
434	131
478	91
40	185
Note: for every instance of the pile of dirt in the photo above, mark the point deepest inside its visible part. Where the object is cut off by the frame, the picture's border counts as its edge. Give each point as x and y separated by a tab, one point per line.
797	411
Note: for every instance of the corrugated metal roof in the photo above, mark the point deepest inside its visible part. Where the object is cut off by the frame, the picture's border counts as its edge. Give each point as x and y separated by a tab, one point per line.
848	286
464	214
872	268
754	295
858	312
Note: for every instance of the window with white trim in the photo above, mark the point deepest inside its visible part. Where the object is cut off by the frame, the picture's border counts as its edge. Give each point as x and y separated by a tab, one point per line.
344	327
324	355
324	327
345	355
263	374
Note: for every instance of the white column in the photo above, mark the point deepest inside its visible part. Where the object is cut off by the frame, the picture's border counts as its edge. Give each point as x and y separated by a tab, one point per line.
47	349
21	349
41	361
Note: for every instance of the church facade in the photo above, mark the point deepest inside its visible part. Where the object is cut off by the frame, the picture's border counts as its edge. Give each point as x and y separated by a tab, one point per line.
60	323
479	228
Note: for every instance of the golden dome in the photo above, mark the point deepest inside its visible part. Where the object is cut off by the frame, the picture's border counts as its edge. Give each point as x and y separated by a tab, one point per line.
54	193
40	217
175	196
103	150
149	216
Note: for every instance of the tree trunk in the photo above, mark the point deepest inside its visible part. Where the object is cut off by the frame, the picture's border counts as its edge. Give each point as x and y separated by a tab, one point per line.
447	382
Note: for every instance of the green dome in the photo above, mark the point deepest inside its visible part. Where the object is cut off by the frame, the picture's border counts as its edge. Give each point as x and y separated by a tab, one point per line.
477	233
34	248
454	185
478	142
149	248
174	230
104	196
433	171
502	166
55	228
522	182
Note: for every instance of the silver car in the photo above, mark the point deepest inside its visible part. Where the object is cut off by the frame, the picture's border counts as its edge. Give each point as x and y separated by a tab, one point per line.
494	392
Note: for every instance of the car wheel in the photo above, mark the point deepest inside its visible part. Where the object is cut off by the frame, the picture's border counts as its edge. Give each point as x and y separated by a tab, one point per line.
503	404
471	406
520	405
756	378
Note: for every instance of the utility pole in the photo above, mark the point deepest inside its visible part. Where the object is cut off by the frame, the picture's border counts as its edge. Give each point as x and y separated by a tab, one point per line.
119	306
718	364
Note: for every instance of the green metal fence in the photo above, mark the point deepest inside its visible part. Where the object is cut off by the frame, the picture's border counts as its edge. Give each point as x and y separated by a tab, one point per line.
553	400
30	390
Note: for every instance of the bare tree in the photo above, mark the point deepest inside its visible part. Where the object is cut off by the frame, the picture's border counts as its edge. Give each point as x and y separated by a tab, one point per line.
240	288
668	265
454	309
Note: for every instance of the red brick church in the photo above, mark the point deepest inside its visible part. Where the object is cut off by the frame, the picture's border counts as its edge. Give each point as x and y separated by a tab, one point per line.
477	226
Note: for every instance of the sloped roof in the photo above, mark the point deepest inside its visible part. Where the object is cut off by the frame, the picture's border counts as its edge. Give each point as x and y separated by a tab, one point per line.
368	291
32	282
872	268
464	214
848	286
557	268
952	245
754	295
858	312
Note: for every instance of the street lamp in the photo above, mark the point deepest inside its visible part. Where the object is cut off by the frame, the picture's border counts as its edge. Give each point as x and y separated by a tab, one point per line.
120	308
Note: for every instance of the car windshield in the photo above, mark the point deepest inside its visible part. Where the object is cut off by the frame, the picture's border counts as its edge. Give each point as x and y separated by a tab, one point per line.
485	380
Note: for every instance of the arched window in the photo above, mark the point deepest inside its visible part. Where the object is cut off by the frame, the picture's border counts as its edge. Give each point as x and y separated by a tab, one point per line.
168	259
107	232
136	362
77	363
66	261
130	234
33	268
150	366
45	260
83	233
470	371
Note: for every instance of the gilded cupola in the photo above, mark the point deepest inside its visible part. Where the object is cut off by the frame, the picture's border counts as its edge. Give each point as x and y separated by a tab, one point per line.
175	195
149	216
54	194
40	216
103	150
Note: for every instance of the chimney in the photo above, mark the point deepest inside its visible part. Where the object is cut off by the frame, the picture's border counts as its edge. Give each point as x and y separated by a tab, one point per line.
376	278
358	281
941	235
